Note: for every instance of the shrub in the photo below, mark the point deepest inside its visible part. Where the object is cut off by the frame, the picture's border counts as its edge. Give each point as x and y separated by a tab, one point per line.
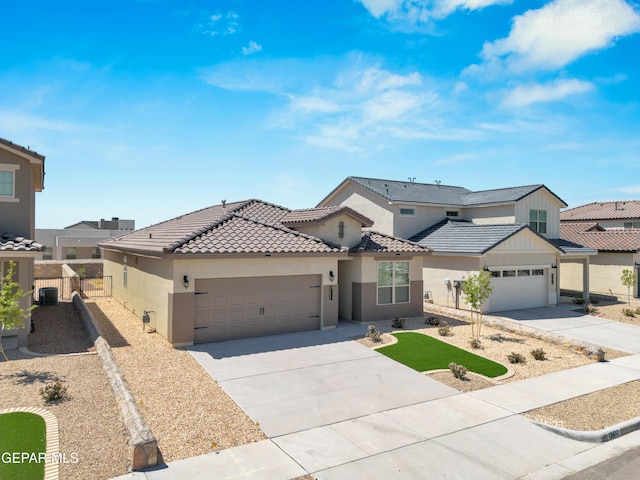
444	329
578	300
628	312
373	333
458	371
432	320
475	343
516	358
398	322
54	392
589	308
637	311
538	354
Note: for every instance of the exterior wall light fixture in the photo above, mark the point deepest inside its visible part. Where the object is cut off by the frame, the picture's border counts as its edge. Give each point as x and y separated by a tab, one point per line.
185	281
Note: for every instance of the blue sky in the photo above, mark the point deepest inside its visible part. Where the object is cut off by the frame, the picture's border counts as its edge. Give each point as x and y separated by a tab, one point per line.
150	109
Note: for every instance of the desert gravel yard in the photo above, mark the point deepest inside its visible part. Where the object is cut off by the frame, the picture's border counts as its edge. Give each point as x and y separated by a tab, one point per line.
185	408
88	422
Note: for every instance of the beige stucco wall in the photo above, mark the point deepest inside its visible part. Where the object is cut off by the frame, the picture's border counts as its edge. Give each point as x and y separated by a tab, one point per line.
605	270
149	281
347	270
406	226
329	231
490	215
437	269
365	203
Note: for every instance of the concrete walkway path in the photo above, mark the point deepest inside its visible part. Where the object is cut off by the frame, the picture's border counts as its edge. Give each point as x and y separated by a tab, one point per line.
338	410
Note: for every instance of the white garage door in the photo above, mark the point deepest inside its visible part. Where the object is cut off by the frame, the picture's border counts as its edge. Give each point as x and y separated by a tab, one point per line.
229	308
515	289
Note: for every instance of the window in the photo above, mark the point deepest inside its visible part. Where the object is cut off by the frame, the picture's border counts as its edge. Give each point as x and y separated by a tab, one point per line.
496	274
407	211
341	230
8	182
631	224
451	213
524	273
538	221
48	254
95	252
70	253
537	272
393	282
509	273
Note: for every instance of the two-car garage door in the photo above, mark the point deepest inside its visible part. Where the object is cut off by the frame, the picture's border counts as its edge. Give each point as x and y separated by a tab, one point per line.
514	289
228	308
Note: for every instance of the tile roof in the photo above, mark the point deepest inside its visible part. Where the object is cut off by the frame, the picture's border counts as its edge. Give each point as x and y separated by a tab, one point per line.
309	216
13	243
378	243
450	236
20	148
626	209
434	194
622	240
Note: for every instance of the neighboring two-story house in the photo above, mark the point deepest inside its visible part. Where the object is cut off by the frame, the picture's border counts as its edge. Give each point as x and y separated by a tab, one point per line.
80	240
611	228
21	176
513	232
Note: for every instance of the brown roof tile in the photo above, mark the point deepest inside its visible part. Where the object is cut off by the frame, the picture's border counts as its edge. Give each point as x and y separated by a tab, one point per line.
320	214
593	236
13	243
249	227
626	209
378	242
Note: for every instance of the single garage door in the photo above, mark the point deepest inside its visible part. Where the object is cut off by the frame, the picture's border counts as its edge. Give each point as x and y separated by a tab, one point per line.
229	308
517	289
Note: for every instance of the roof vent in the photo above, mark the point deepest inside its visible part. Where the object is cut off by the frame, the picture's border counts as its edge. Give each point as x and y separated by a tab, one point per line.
224	204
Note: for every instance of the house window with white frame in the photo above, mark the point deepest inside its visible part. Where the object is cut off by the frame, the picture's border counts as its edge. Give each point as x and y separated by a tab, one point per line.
8	182
538	221
393	282
631	224
341	230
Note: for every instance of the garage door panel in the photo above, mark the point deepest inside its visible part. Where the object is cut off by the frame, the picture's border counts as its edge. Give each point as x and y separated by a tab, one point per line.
247	307
513	293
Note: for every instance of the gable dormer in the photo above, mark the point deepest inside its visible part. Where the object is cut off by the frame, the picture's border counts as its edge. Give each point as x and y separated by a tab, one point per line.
336	224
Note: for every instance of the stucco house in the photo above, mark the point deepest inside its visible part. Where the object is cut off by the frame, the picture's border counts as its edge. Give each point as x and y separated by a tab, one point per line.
623	214
21	176
252	268
80	240
512	232
618	249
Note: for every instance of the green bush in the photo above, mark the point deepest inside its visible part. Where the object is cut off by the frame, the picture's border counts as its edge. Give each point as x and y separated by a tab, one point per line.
432	320
444	328
538	354
398	322
458	371
516	358
628	312
475	343
54	392
373	333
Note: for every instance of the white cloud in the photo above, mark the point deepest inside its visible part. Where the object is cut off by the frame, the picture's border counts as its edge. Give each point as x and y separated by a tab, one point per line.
219	24
411	14
253	47
634	189
559	33
454	159
524	95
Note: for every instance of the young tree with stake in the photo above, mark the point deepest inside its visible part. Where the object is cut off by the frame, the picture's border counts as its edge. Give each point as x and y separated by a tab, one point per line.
12	314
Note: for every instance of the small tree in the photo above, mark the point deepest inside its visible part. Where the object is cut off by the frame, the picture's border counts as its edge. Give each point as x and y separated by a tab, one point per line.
476	288
628	279
12	314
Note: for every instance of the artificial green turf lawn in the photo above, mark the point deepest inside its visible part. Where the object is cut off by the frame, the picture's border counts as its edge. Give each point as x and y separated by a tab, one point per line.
423	353
21	432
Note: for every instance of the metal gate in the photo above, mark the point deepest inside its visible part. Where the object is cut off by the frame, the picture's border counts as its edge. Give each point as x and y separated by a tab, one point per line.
89	287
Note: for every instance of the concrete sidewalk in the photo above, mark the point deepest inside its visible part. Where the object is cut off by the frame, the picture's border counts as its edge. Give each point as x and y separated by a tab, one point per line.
338	410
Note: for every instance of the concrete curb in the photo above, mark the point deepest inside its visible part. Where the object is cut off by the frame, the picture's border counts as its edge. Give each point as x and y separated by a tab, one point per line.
595	436
144	446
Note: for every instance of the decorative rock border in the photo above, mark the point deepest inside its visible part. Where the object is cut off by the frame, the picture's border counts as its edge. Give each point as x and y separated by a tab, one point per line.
144	446
51	470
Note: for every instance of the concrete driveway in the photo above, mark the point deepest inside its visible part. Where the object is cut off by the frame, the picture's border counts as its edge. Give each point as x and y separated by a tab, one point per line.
338	410
563	320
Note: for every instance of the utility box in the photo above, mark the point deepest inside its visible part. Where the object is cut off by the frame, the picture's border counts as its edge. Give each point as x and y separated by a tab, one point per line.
48	296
